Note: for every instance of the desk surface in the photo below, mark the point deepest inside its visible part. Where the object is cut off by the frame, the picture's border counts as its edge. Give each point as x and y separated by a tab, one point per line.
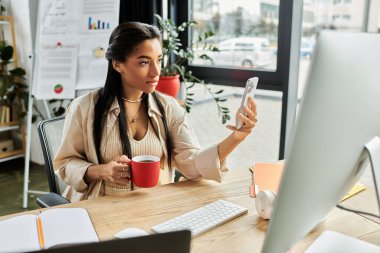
145	208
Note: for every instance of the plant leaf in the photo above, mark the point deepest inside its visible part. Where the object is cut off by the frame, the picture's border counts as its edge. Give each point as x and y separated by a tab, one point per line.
6	53
18	72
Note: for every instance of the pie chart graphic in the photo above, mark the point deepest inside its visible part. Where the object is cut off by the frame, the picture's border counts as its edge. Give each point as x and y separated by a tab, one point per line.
58	88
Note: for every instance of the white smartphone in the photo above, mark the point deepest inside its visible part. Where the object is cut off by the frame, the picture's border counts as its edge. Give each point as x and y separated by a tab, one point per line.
249	90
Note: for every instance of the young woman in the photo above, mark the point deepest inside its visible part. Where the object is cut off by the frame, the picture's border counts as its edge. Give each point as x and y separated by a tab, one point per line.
105	128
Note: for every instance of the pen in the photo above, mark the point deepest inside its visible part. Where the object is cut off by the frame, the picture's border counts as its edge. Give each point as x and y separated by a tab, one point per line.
252	176
252	188
40	233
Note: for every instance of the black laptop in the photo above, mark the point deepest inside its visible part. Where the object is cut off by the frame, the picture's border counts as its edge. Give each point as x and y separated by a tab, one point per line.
172	242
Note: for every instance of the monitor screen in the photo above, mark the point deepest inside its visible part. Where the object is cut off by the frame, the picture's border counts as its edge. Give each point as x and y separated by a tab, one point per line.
339	114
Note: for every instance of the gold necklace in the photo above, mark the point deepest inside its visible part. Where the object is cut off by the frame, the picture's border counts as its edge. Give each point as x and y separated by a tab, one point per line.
134	118
134	101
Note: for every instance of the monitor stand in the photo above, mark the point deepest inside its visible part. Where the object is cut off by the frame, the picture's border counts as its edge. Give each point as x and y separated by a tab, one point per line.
373	151
329	241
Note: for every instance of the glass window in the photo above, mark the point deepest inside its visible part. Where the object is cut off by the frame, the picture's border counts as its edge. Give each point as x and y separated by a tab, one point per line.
246	32
347	17
239	24
332	15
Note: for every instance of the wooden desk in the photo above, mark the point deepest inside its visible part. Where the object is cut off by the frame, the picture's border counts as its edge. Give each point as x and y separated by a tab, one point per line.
145	208
365	201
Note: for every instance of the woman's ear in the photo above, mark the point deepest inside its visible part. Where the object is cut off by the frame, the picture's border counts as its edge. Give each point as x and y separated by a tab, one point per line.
116	65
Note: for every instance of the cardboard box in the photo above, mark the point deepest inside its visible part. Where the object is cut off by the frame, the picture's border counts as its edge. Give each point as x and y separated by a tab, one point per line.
6	146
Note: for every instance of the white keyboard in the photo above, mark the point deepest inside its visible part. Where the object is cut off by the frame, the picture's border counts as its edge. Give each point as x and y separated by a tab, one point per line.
203	219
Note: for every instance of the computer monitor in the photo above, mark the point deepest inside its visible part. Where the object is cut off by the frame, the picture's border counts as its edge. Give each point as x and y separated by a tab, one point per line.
339	114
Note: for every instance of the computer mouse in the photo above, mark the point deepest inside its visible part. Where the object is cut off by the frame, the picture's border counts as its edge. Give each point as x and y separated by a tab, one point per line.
130	232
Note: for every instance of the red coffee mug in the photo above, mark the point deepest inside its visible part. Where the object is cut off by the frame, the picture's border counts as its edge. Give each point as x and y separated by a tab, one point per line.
145	170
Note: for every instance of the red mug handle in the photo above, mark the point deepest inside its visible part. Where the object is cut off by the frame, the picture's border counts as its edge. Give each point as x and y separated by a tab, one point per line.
130	174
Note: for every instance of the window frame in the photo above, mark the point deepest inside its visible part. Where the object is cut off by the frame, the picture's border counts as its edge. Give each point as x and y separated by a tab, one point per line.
277	80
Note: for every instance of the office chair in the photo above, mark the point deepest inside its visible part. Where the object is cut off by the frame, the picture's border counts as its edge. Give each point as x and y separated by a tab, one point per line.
50	134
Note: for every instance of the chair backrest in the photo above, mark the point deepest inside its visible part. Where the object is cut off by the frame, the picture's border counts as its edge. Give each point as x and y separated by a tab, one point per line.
50	133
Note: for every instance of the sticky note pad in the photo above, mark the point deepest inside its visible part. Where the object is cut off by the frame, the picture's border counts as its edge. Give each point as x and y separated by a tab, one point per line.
357	188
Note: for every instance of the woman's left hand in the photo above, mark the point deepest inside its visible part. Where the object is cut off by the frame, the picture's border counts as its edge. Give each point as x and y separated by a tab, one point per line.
249	121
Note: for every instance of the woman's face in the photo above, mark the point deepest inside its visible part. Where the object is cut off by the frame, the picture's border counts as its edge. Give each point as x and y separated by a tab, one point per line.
142	68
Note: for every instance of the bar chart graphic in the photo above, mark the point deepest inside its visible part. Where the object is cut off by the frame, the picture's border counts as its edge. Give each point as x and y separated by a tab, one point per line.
97	24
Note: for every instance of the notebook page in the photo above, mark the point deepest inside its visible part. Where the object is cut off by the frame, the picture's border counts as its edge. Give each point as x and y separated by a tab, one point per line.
19	234
67	226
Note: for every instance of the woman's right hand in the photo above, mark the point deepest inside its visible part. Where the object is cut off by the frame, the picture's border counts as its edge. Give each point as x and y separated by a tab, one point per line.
117	171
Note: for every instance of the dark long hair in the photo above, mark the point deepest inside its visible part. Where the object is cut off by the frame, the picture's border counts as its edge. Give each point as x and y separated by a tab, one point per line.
123	40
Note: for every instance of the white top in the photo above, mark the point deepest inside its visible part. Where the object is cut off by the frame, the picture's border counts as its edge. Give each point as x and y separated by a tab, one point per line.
149	145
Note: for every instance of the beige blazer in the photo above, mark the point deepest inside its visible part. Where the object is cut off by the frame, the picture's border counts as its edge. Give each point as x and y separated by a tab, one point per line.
77	150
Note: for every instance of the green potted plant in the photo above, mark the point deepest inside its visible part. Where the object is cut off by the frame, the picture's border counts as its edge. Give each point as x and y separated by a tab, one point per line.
13	88
175	59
